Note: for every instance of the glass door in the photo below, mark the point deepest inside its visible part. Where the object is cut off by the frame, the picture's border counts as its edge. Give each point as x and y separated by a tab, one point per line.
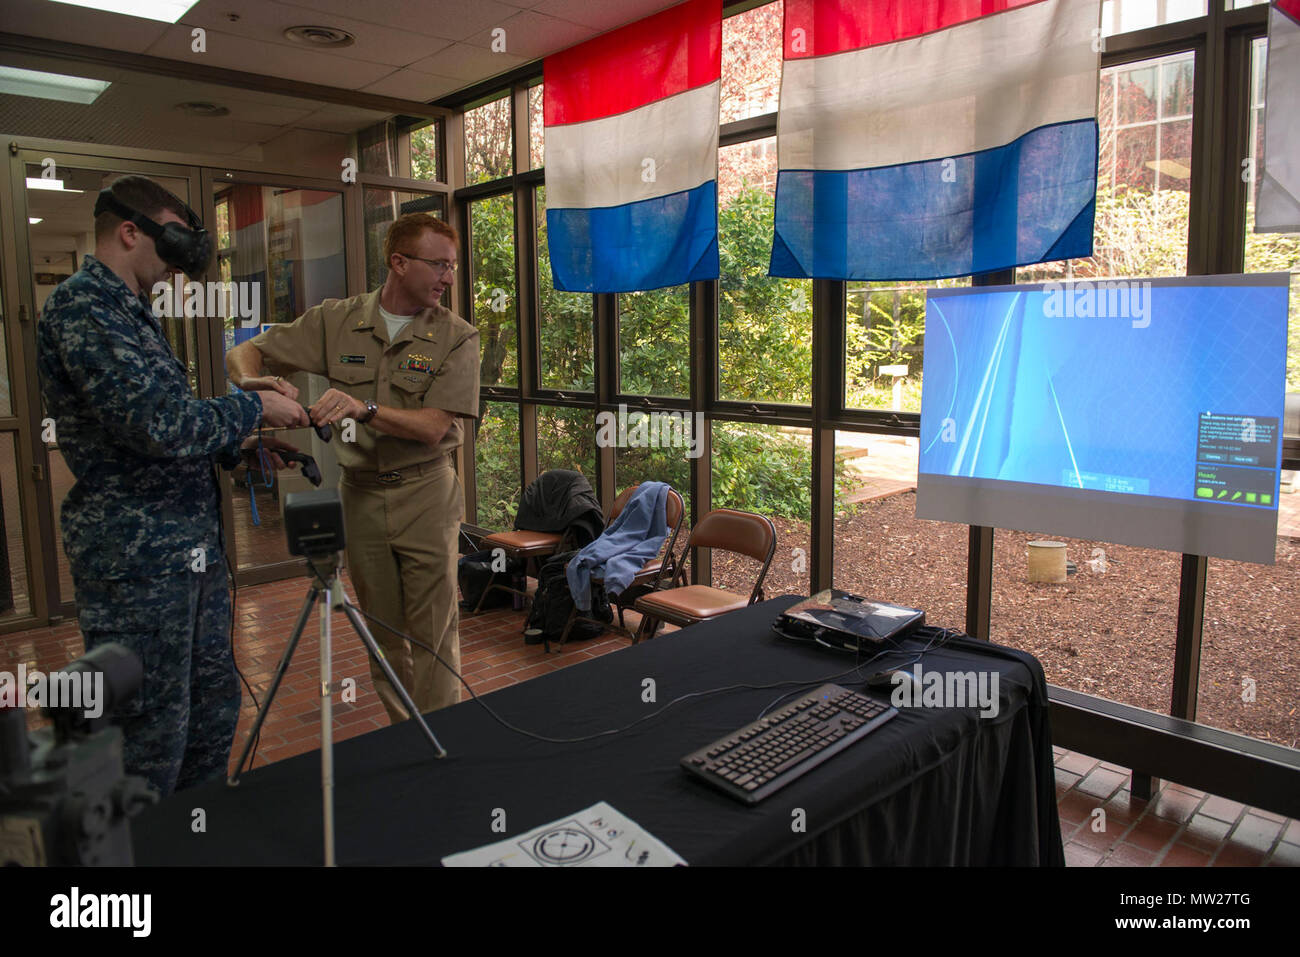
283	250
54	232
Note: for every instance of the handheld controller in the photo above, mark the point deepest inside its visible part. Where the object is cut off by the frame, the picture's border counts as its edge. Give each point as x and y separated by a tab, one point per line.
323	431
310	470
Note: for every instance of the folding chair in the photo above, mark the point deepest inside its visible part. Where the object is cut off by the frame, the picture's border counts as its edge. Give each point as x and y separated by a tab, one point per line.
651	572
724	529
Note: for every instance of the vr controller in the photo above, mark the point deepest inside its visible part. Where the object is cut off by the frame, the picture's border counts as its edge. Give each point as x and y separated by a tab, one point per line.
322	431
310	470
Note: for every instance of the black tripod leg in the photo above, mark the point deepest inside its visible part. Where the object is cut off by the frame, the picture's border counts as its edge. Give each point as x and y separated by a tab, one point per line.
368	640
307	606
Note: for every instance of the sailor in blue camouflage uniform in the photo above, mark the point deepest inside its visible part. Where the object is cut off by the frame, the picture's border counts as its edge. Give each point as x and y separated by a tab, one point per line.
142	525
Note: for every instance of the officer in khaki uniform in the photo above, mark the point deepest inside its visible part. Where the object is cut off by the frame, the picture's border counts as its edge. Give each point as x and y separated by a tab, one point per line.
405	370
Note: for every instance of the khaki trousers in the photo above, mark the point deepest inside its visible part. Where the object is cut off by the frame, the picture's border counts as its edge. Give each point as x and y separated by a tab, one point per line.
401	555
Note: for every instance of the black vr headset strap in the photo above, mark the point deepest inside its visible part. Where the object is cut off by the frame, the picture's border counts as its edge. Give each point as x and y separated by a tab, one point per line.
151	227
107	201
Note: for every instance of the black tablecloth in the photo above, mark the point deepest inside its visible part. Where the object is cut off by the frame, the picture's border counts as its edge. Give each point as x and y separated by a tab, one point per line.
931	786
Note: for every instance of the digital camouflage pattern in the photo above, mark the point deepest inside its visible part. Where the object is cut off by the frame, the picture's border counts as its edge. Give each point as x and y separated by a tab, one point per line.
178	730
141	446
142	523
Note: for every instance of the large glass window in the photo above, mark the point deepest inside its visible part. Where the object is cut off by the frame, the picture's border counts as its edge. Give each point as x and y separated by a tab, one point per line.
1250	654
654	335
884	343
1123	16
497	472
488	154
424	151
764	324
882	550
642	462
765	469
536	127
564	323
492	246
1144	175
411	153
382	207
566	439
751	62
1109	628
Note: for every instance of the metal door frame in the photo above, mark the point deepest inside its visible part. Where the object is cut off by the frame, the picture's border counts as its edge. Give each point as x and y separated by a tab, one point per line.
40	541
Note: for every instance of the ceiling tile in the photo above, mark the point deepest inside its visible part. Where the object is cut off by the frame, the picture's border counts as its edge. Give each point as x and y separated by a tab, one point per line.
410	85
602	16
469	63
454	19
341	119
267	20
58	21
272	59
532	35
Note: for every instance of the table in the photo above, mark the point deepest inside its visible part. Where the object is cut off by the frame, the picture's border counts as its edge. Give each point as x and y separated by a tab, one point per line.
933	786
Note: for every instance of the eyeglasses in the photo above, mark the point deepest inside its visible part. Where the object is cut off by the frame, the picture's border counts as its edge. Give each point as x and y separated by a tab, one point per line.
439	265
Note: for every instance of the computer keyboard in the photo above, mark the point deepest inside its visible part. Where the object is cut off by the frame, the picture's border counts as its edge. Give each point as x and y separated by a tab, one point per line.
766	755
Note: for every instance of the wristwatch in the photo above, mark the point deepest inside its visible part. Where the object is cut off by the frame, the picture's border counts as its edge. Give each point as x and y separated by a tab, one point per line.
372	407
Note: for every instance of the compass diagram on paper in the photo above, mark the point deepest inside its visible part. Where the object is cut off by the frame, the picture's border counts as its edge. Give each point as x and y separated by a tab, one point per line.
564	845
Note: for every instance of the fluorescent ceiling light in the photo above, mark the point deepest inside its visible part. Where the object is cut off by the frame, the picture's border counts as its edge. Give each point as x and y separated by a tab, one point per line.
40	182
33	220
168	11
50	86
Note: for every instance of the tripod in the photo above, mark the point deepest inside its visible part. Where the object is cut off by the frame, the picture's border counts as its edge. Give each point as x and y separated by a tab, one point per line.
328	575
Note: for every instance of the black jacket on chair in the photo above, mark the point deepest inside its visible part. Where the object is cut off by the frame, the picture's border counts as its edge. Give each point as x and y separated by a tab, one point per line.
562	501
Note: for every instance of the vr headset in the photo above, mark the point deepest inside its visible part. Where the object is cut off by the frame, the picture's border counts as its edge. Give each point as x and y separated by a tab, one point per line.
185	249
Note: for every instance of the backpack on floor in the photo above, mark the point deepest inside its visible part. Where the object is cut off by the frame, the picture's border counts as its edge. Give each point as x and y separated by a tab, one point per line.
553	603
474	573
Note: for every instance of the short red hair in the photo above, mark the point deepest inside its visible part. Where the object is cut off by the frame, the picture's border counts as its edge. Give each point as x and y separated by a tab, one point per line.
409	227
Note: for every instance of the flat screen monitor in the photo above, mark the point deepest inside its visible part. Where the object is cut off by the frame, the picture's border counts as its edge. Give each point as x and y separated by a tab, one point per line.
1141	412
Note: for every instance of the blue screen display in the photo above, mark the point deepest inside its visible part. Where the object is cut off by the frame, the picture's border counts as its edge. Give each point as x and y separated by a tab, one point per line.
1166	389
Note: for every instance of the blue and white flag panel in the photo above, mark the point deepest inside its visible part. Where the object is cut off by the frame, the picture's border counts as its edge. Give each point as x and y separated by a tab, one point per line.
922	139
632	153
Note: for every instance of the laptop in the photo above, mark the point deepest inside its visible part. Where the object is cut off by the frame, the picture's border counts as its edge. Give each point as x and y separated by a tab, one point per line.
849	621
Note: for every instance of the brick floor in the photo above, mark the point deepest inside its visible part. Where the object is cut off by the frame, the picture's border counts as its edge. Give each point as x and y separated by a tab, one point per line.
1179	826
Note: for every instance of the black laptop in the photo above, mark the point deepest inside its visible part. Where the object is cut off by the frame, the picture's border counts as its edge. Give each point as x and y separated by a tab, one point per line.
849	621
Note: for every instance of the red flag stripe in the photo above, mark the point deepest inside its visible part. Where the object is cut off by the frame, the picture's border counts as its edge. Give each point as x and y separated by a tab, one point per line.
821	27
663	55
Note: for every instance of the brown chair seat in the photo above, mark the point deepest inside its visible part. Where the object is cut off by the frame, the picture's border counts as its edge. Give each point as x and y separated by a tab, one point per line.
691	603
524	544
681	604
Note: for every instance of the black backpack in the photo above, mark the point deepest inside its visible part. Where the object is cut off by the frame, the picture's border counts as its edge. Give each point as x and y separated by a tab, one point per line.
553	603
474	573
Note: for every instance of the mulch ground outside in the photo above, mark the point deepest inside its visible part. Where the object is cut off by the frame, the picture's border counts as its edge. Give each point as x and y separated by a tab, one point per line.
1109	634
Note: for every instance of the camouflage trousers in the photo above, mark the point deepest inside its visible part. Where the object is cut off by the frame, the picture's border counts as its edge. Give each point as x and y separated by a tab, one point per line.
178	730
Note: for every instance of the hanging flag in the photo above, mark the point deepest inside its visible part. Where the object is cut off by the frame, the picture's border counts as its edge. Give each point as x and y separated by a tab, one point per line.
632	153
1277	204
921	139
